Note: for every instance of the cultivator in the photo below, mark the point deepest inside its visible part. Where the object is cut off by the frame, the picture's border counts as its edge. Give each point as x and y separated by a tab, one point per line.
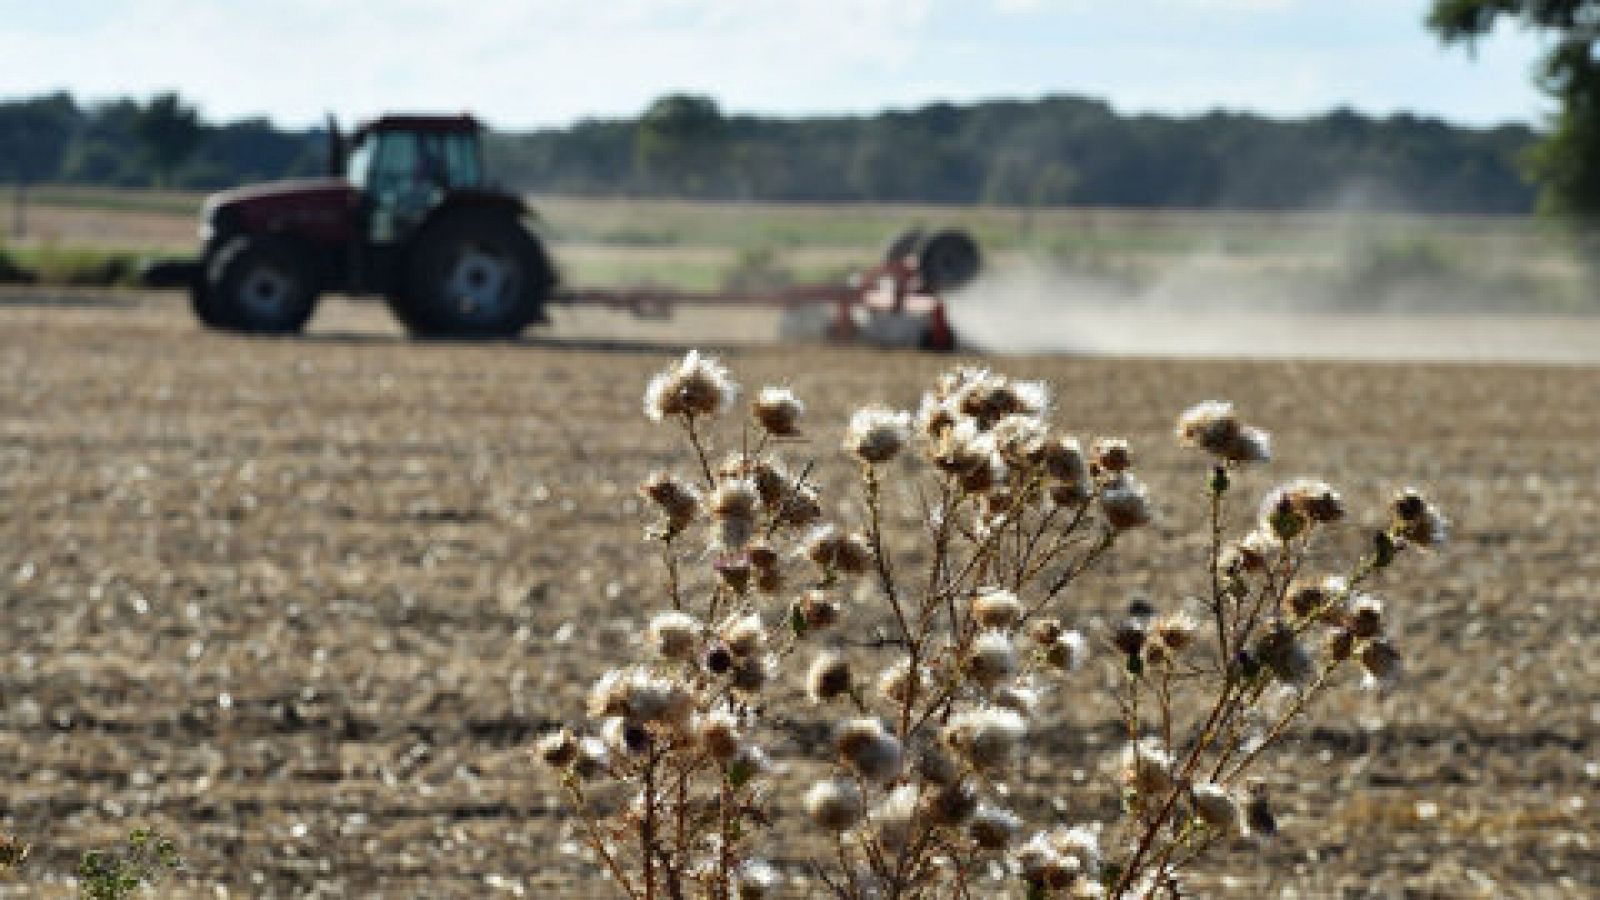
899	302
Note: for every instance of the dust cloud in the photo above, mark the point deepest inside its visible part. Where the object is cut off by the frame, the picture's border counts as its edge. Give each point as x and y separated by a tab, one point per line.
1350	294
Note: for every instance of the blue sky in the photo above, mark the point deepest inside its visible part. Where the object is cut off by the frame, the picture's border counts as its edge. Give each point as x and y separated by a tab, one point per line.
543	62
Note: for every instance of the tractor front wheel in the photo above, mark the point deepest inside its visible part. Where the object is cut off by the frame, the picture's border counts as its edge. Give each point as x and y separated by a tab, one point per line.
474	275
258	285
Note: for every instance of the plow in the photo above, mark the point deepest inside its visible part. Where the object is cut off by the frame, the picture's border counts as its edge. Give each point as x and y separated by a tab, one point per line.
406	213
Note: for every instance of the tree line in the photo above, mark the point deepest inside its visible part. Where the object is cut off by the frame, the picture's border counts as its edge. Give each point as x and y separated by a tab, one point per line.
1056	150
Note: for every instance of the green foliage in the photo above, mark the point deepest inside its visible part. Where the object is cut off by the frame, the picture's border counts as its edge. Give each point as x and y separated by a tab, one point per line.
1053	151
169	132
119	873
1566	163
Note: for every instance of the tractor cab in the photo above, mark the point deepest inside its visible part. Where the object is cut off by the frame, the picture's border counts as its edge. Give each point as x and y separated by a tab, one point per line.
403	167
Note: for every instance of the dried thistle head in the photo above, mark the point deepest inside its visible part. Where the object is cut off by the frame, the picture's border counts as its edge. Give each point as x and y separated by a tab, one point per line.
674	634
835	804
987	738
1064	461
877	434
1124	502
777	410
992	658
935	416
828	678
1111	454
755	879
817	609
559	748
694	386
897	681
868	748
1381	662
1146	768
1279	649
993	828
1067	652
744	635
1020	440
678	501
718	733
1416	520
641	697
836	551
1215	806
1214	427
894	820
996	608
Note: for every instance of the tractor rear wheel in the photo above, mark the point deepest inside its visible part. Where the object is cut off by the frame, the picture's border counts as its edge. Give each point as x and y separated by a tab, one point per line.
474	275
256	284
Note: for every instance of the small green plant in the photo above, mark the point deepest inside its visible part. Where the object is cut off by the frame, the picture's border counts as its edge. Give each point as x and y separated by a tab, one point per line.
115	874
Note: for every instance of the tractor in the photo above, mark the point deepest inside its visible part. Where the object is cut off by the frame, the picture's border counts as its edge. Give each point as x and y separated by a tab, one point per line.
405	213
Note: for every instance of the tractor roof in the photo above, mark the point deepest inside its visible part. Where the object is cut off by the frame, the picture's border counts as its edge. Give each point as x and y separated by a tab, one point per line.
408	122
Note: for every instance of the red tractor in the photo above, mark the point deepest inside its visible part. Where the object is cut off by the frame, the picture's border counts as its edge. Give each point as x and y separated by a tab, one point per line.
405	214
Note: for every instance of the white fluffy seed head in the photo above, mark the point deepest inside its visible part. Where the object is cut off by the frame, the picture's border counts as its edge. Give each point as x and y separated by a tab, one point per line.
993	658
828	678
987	738
734	498
877	434
1080	843
744	635
867	747
1125	502
996	608
674	634
694	386
1215	806
1020	440
1146	768
835	803
895	680
755	879
895	819
1067	652
993	828
718	733
777	410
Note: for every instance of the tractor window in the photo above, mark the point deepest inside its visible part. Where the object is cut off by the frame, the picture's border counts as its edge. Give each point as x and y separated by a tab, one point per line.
359	161
459	153
398	166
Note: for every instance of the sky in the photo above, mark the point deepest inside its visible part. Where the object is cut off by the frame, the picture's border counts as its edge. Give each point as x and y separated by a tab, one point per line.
530	63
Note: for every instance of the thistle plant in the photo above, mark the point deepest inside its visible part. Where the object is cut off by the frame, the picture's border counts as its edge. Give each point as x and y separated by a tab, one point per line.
922	680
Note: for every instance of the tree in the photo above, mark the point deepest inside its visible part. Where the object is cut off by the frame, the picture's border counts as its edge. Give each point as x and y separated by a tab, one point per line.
679	143
169	132
33	138
1566	162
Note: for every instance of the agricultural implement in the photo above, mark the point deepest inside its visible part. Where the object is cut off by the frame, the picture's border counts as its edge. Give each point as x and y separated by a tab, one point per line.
405	213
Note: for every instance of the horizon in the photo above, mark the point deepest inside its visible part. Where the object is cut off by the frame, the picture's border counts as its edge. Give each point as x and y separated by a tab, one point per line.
542	66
